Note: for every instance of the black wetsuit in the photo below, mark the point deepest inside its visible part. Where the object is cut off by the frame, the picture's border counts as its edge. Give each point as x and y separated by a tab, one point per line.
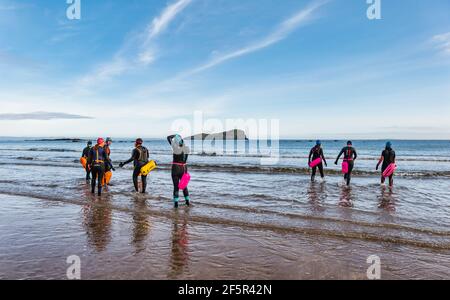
108	167
350	156
139	157
97	160
86	155
179	168
314	154
388	158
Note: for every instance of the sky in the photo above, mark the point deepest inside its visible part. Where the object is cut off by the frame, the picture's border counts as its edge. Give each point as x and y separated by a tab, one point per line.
135	68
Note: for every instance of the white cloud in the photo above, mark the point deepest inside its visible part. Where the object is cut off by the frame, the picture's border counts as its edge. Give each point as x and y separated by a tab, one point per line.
147	53
282	31
42	116
442	42
160	23
147	57
139	50
105	72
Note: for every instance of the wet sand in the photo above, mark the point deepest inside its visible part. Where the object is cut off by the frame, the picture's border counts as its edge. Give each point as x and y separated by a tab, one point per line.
38	235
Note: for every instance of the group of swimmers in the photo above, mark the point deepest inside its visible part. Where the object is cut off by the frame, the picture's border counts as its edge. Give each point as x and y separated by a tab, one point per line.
349	152
99	164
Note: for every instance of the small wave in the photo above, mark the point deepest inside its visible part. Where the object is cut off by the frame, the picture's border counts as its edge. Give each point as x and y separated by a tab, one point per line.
44	165
305	171
304	157
252	169
51	150
329	219
38	150
240	154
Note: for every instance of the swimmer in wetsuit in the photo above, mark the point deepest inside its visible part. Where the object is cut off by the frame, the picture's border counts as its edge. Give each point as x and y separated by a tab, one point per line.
139	157
107	148
109	166
350	156
315	153
179	168
85	154
387	158
97	161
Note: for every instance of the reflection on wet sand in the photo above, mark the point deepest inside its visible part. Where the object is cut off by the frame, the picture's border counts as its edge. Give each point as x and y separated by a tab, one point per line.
141	223
97	220
316	195
346	197
179	256
387	199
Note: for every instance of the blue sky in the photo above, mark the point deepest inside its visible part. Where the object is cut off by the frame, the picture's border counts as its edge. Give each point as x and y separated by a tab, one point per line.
133	67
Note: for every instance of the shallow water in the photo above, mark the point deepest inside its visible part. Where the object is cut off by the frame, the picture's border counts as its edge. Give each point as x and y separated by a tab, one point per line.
244	223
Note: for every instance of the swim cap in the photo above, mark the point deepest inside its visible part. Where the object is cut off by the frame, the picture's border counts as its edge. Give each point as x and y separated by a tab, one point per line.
108	139
89	143
139	141
100	141
318	143
178	139
388	145
349	143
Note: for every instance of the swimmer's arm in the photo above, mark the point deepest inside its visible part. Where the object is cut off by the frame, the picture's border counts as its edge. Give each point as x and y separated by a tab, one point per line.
323	157
380	161
309	157
170	139
133	157
339	156
89	158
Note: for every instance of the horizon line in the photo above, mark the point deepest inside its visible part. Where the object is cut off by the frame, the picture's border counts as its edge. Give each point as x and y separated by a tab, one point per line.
280	139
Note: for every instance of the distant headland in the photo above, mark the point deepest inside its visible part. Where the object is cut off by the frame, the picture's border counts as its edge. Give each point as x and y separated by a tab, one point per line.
57	140
235	135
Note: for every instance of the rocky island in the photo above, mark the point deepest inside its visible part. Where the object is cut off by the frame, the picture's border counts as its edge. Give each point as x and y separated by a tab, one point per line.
232	135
